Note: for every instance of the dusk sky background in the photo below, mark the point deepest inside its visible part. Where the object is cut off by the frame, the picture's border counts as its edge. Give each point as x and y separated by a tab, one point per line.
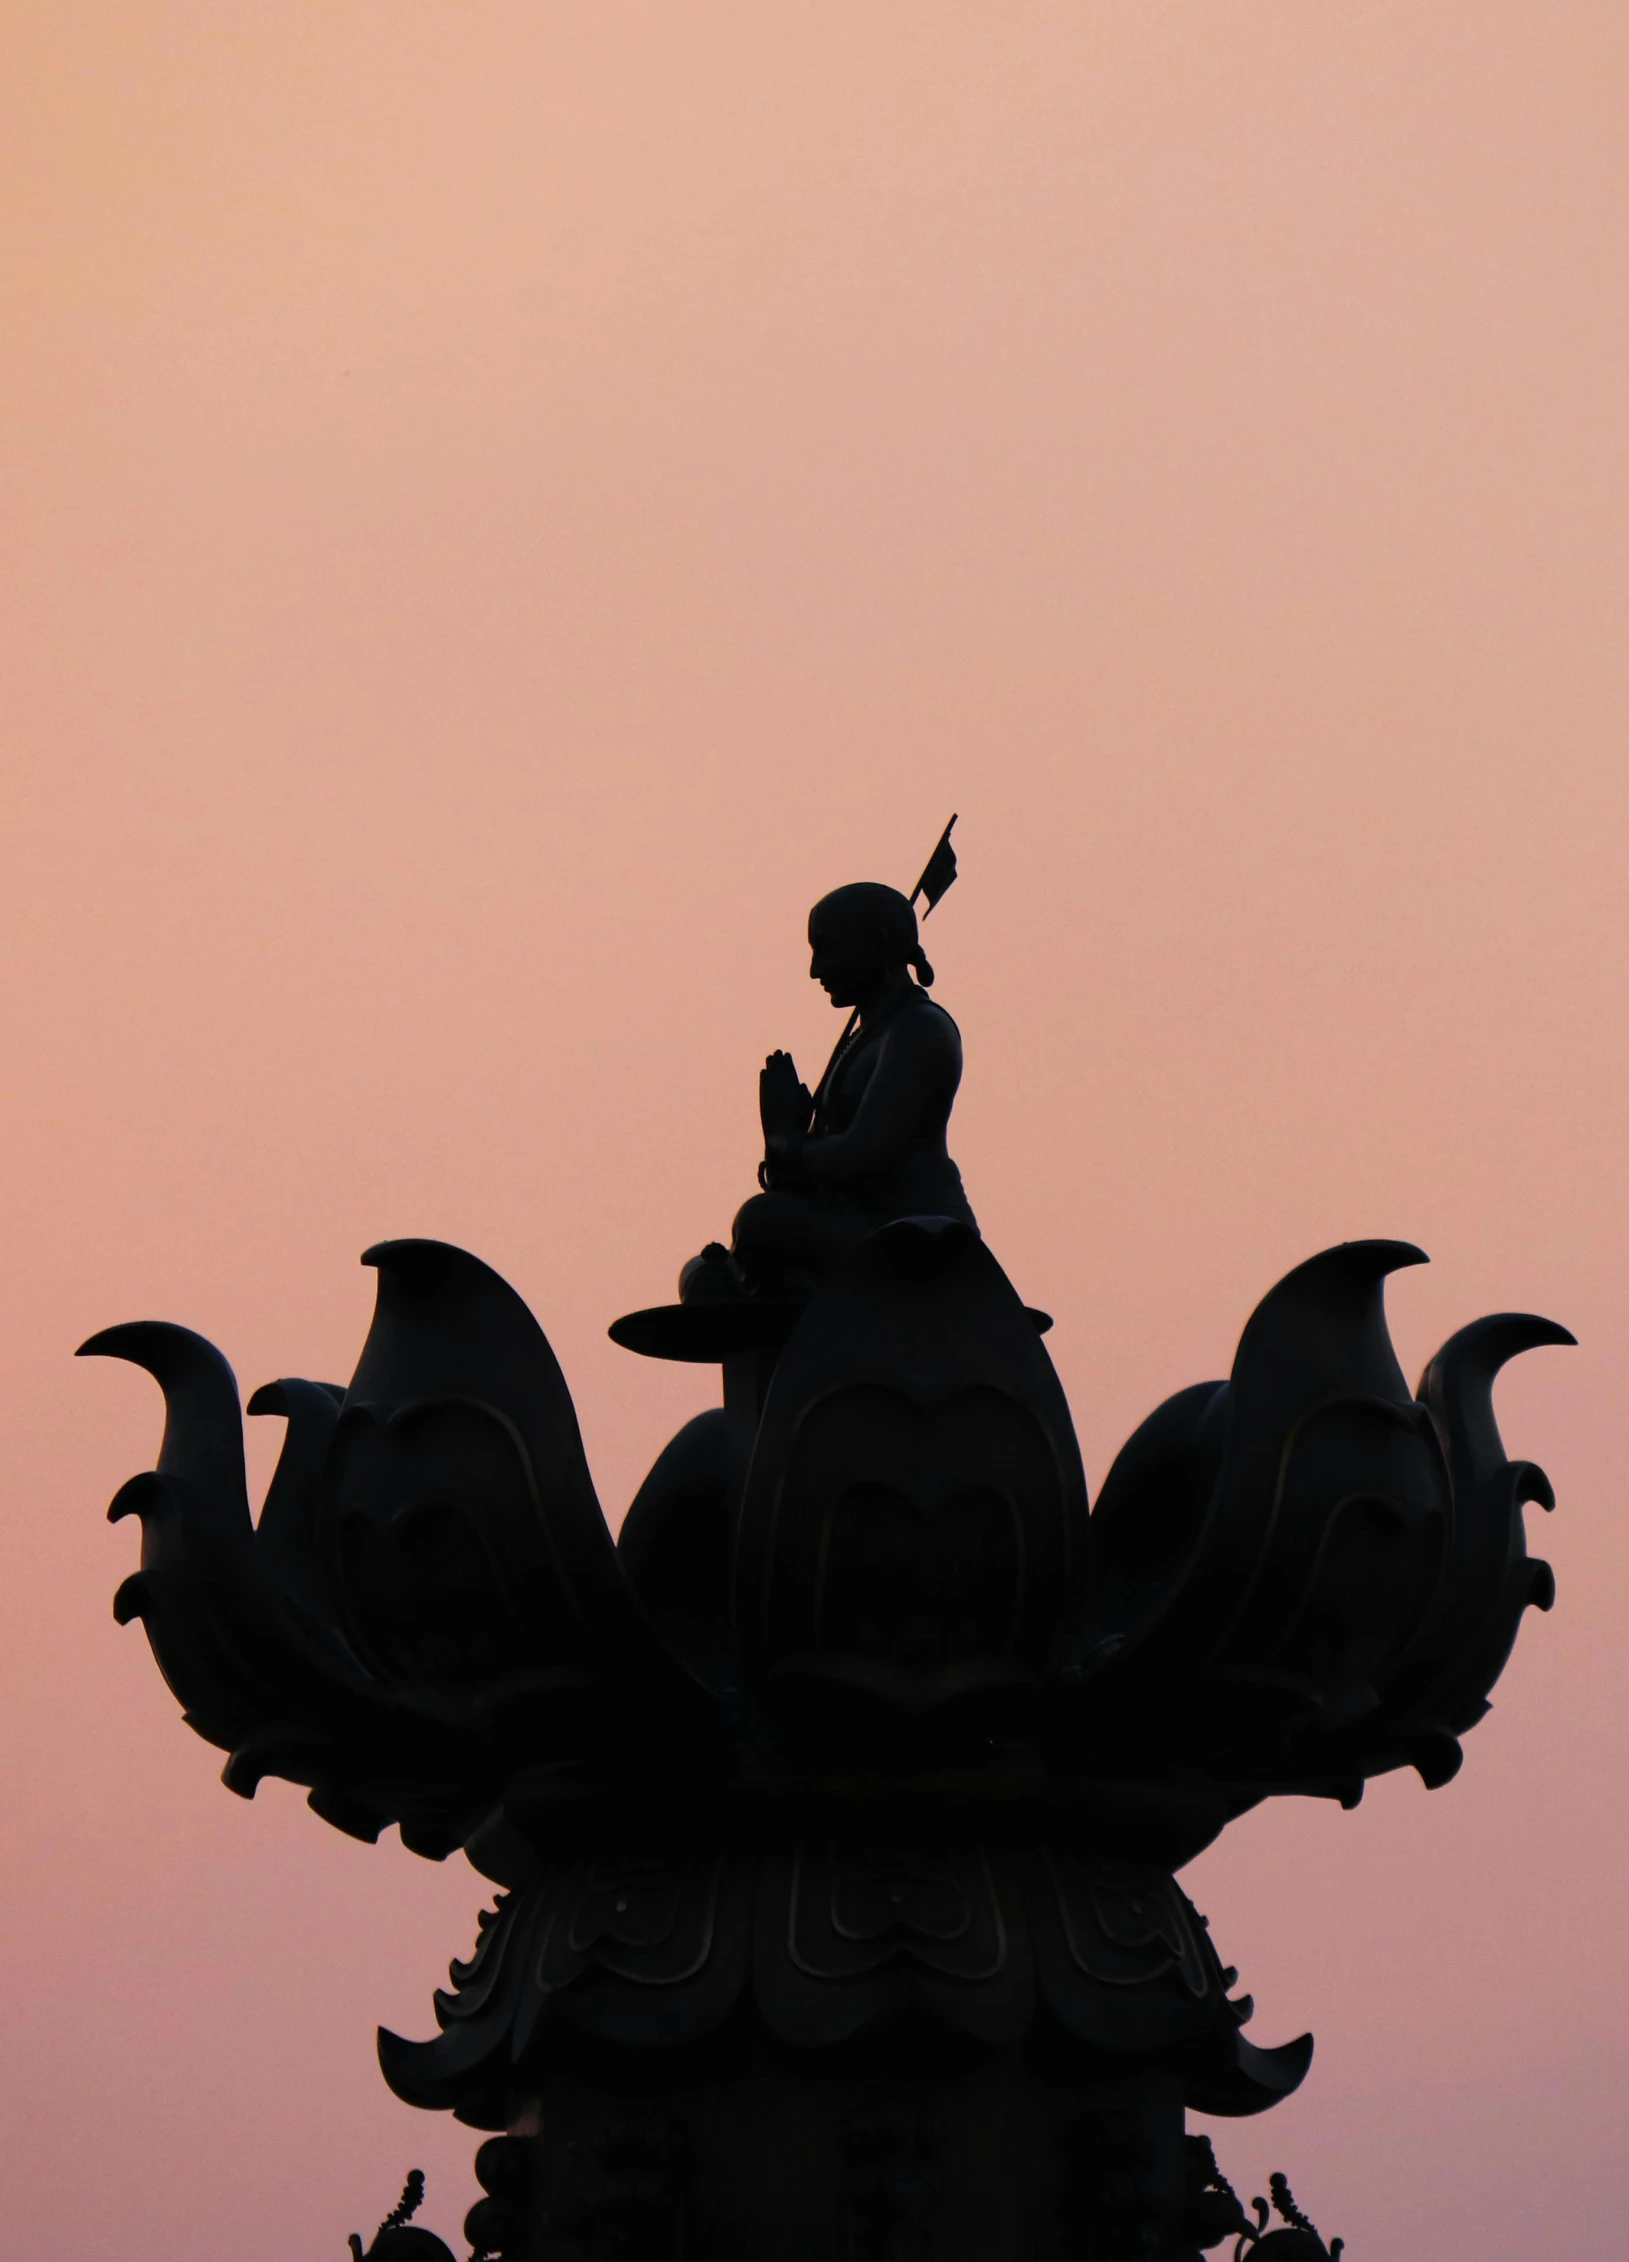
500	506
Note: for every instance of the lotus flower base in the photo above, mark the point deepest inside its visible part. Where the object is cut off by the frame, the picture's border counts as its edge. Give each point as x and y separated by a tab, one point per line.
835	1810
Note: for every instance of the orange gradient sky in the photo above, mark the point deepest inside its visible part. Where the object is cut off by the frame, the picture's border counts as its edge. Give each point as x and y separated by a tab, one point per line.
502	503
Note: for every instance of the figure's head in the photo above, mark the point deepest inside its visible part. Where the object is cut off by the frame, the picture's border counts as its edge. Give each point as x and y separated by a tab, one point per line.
858	936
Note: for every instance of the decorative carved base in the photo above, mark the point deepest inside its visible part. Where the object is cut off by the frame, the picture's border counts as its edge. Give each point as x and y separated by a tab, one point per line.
755	2161
744	2156
837	1810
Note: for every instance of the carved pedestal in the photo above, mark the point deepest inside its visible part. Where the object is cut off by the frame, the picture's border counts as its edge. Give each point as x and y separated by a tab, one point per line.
833	2052
836	1811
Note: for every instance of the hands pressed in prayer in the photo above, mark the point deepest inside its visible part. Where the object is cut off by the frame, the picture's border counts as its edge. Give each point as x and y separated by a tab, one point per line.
785	1103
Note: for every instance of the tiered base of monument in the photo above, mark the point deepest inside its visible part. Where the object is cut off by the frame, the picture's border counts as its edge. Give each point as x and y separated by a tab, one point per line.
962	2054
836	1807
745	2157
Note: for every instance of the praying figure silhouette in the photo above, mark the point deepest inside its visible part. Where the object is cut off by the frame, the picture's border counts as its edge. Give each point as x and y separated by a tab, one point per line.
868	1144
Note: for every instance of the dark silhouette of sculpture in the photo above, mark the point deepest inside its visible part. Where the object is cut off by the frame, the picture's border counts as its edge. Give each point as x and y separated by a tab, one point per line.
868	1144
399	2238
834	1810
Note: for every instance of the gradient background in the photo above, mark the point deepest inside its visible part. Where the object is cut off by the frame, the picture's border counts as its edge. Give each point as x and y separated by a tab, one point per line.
503	504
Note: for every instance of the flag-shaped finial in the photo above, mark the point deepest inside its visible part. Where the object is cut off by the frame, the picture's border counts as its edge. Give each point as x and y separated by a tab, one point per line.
937	873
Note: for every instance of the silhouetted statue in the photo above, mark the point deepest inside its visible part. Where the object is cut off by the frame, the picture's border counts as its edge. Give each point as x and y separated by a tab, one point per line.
398	2238
867	1146
836	1809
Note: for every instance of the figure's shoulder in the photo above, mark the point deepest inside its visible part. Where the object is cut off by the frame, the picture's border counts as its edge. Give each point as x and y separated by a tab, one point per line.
928	1028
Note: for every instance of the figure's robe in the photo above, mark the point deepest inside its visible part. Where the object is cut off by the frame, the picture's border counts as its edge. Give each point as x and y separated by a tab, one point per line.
877	1150
881	1119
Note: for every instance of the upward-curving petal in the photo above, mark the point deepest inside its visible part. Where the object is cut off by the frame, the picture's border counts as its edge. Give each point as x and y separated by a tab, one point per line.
1238	1485
431	1603
1491	1579
460	1527
198	1592
1308	1575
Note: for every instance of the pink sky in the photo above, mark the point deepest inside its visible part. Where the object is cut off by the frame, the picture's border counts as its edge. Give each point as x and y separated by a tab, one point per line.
500	505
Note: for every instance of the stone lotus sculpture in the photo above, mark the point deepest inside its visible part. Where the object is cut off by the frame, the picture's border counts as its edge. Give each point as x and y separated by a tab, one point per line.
834	1810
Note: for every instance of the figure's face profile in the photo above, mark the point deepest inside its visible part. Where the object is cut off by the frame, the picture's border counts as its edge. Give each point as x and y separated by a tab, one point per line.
848	956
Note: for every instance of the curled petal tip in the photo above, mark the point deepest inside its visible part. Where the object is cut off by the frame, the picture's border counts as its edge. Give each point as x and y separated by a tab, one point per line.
1504	1335
284	1396
1353	1261
1373	1259
135	1496
1396	1256
242	1774
107	1342
1532	1484
419	1267
345	1813
413	1250
171	1355
1436	1757
130	1601
1480	1350
1527	1331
